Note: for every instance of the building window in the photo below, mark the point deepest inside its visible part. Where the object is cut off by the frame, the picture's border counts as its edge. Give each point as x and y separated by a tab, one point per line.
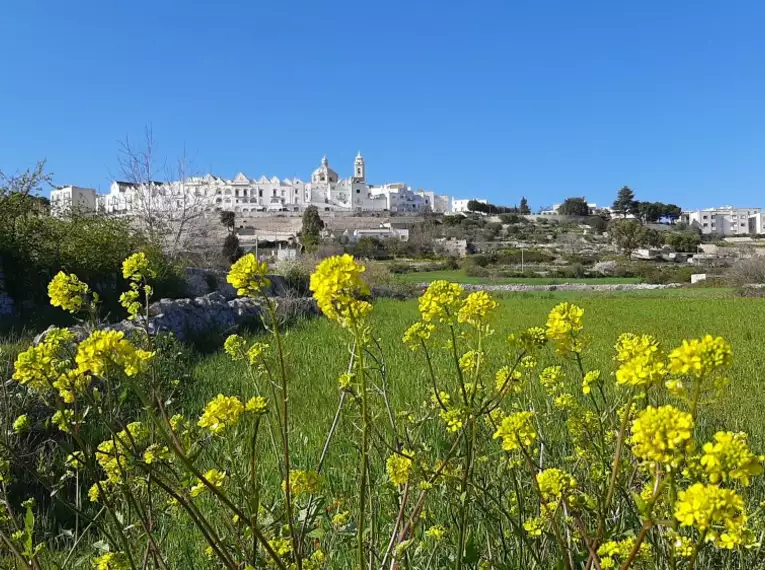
358	191
260	192
705	224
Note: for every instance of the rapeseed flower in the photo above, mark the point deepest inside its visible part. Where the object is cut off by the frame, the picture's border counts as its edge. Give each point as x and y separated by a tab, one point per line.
508	381
701	357
563	322
38	367
516	430
116	455
399	467
303	482
249	276
104	349
729	457
476	309
441	302
336	286
453	419
68	292
590	378
716	512
257	405
214	477
221	413
662	435
612	551
112	561
470	361
417	334
235	347
136	267
21	423
435	532
555	484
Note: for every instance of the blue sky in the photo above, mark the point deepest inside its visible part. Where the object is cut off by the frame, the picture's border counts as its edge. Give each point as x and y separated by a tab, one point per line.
491	98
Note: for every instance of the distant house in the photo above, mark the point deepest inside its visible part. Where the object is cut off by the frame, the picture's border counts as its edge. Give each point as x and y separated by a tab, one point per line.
726	220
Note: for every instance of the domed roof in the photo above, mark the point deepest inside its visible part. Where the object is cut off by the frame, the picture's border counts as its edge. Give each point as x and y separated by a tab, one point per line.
329	175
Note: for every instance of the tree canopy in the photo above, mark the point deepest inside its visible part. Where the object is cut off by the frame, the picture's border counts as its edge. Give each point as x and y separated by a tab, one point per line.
574	207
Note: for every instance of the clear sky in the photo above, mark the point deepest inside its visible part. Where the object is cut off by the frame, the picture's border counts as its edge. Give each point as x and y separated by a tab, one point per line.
488	98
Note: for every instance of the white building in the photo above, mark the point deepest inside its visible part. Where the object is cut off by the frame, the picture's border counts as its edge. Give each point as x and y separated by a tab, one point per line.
385	232
326	190
461	206
66	200
725	220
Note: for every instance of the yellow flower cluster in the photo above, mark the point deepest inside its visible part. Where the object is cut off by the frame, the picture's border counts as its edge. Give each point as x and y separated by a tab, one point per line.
612	551
729	457
417	334
529	340
590	379
554	484
435	532
701	357
303	482
441	301
71	383
662	435
642	363
68	292
220	413
516	430
470	361
137	267
214	477
249	276
563	322
452	418
39	366
235	346
336	286
112	561
476	309
103	350
551	379
399	467
21	423
714	511
116	455
508	380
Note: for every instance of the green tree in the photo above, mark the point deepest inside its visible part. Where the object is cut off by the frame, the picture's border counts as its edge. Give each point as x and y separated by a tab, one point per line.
574	207
683	240
650	212
628	235
310	234
228	219
231	248
524	208
625	202
671	212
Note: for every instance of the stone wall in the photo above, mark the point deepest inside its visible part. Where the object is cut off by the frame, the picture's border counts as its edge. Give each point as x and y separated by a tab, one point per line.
6	302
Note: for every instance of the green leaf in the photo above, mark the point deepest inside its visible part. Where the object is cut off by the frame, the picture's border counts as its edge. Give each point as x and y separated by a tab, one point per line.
29	529
472	556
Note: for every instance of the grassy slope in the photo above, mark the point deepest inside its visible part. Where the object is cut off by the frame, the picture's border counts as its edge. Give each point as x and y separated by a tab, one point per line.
458	276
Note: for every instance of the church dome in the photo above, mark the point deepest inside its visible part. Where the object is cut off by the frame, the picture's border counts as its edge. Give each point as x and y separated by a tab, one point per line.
324	174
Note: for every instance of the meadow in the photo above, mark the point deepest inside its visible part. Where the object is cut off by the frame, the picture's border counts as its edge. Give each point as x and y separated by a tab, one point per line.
459	276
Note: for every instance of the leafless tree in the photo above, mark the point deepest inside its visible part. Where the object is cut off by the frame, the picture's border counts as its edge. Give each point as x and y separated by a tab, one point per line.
167	203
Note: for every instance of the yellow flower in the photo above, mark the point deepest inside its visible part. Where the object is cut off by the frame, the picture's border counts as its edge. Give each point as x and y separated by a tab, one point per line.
21	424
470	361
436	532
235	347
441	301
516	430
611	551
249	276
214	477
116	455
476	309
630	345
303	482
717	512
67	292
417	334
551	379
112	561
643	370
93	493
340	519
63	419
555	484
256	404
39	366
508	380
131	301
701	357
71	383
336	284
75	460
137	267
529	340
534	526
256	354
590	378
563	322
104	349
155	452
220	413
452	419
662	435
399	467
729	457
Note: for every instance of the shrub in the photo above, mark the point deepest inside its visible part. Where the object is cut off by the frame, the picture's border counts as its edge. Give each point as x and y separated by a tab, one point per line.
472	270
748	271
605	267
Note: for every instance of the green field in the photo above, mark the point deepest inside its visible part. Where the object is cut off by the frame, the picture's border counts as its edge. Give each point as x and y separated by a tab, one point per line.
318	350
458	276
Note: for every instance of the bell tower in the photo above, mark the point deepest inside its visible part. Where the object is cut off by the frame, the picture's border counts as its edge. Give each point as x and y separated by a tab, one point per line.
359	169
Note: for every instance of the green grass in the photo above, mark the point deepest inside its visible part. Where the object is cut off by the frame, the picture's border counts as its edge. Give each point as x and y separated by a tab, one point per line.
318	351
458	276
